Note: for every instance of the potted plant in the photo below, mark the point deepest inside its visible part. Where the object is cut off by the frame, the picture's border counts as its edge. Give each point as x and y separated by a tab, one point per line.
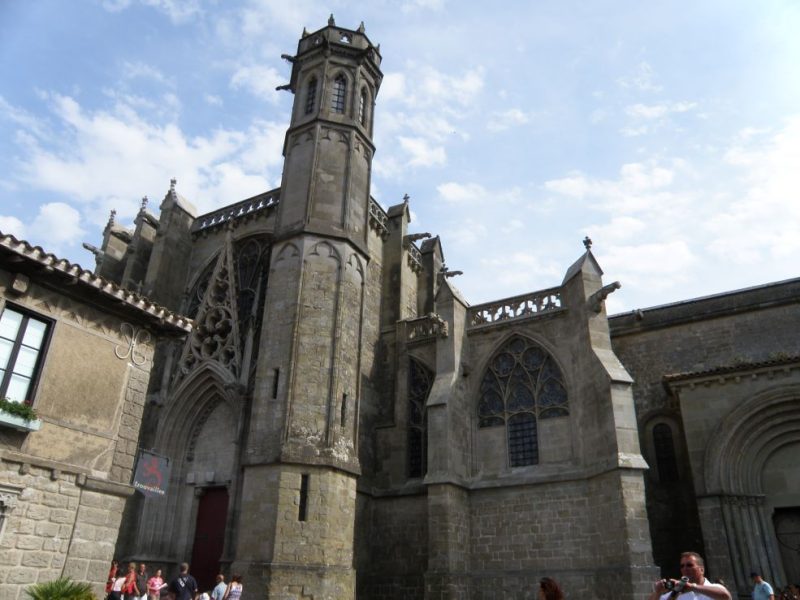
18	415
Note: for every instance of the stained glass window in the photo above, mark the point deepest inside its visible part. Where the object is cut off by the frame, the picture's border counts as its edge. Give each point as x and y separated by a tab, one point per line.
521	385
420	380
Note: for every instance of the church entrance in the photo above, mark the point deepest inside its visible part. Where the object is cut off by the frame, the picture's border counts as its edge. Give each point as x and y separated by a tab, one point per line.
787	530
209	536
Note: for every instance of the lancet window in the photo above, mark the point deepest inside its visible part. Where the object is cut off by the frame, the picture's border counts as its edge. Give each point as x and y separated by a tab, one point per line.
522	385
420	380
311	95
339	94
664	446
362	107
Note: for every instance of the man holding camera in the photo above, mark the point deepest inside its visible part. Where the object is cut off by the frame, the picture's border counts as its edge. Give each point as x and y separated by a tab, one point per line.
692	585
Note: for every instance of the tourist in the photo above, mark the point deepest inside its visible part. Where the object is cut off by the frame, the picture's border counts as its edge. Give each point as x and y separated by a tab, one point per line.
549	590
184	586
154	586
234	591
116	587
129	587
218	593
693	584
112	576
761	589
140	593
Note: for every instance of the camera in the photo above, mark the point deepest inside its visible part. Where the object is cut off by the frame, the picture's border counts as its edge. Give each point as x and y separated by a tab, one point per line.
676	586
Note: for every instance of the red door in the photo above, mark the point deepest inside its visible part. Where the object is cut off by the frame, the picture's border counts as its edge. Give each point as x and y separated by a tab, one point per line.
209	536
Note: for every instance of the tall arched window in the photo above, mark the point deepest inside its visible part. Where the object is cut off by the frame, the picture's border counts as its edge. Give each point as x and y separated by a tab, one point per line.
420	380
311	95
522	384
339	94
362	107
664	447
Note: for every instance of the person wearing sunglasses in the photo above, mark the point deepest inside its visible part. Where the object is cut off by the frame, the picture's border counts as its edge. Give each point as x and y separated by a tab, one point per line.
692	585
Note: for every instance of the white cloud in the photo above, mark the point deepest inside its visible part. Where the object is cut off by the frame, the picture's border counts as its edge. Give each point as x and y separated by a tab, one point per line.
415	5
642	79
213	100
657	111
459	193
178	11
502	120
422	153
140	70
58	224
259	80
13	226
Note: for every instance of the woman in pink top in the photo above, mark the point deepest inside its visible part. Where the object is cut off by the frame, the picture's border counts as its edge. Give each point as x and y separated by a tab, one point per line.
154	585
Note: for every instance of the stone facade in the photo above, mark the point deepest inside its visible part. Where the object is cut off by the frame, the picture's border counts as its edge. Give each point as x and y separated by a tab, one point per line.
368	433
64	477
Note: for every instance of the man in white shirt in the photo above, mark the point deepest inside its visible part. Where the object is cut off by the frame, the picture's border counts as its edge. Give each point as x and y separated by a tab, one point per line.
695	587
219	590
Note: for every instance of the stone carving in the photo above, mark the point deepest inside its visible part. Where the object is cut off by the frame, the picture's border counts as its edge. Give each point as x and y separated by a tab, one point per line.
378	219
426	328
517	307
216	335
596	300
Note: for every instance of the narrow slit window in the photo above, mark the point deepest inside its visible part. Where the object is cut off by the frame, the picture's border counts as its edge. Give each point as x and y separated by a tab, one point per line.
343	416
303	508
276	376
311	95
362	108
339	94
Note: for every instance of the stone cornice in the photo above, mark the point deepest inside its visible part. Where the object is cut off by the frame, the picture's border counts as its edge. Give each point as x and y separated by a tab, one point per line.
733	373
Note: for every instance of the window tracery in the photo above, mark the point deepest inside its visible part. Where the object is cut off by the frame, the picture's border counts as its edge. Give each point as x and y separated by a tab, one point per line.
362	107
420	380
522	384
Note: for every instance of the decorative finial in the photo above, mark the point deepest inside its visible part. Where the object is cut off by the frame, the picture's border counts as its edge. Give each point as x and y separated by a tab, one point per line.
144	204
305	32
331	22
361	28
378	48
172	183
587	243
111	218
406	198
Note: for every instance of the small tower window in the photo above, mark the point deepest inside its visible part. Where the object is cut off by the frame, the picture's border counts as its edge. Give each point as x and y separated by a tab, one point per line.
362	107
311	95
339	94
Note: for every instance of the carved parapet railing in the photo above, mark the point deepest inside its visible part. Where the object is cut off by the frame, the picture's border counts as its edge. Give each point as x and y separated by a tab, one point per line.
516	308
378	219
256	205
426	328
414	258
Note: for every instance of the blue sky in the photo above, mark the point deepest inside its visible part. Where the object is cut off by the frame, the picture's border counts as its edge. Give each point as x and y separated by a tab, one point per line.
668	132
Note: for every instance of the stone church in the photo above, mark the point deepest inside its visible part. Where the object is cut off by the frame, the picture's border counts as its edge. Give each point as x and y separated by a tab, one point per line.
342	423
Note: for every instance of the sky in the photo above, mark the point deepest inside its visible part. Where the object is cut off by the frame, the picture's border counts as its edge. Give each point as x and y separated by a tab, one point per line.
666	131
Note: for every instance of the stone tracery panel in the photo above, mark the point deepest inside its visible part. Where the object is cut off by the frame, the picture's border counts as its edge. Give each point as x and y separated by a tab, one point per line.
522	384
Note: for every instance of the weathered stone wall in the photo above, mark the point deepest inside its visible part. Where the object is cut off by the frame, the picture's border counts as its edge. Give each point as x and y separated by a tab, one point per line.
749	326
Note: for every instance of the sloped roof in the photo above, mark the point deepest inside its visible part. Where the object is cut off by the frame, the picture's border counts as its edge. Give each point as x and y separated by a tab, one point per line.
20	256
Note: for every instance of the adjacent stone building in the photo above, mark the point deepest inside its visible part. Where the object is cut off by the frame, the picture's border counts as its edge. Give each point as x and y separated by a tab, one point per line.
78	349
342	423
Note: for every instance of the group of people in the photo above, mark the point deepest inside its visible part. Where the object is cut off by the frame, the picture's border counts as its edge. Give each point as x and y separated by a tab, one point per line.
693	585
138	584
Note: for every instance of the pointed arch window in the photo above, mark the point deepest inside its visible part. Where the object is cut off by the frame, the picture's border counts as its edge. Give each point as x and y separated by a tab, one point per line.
522	385
311	95
339	94
420	380
664	446
362	107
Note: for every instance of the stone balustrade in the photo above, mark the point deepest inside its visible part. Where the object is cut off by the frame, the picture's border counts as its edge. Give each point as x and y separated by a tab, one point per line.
516	308
250	207
426	328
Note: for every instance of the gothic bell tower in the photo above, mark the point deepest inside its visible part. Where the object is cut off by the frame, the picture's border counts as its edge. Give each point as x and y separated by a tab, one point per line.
300	464
328	148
